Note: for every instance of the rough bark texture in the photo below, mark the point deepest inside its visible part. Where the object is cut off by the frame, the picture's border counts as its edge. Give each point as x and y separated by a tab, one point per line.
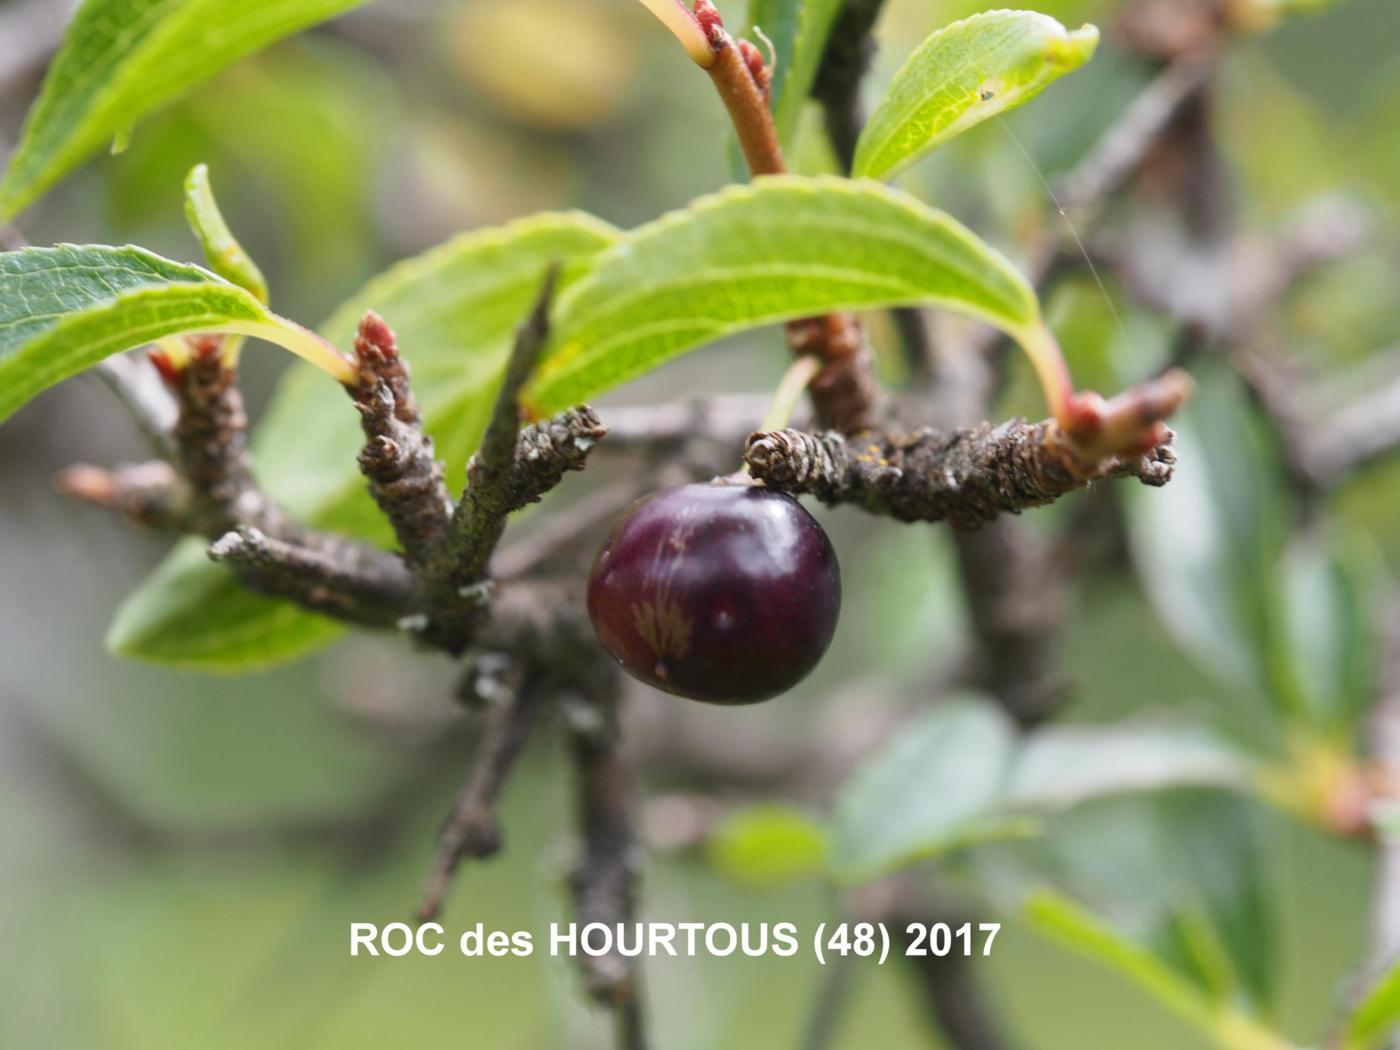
845	394
211	447
398	462
964	477
340	578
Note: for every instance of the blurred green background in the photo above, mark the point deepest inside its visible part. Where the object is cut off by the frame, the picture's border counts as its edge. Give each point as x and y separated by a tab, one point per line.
181	857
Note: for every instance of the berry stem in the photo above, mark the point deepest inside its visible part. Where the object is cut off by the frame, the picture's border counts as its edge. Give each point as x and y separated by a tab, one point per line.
799	375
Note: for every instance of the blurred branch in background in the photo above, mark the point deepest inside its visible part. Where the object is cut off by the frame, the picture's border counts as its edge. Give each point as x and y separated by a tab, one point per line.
30	31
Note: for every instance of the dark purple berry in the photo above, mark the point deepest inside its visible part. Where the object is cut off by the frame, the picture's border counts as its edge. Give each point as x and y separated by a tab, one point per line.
726	593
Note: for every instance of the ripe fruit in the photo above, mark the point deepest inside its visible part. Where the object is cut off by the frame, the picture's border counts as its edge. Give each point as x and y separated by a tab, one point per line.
726	593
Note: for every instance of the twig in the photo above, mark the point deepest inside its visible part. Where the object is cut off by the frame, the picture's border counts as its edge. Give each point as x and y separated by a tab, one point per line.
1127	142
844	64
850	49
208	489
742	81
629	1023
148	495
1016	591
458	567
1357	435
405	478
846	396
965	477
471	829
138	387
352	582
562	533
459	591
536	641
823	1023
211	446
953	993
604	881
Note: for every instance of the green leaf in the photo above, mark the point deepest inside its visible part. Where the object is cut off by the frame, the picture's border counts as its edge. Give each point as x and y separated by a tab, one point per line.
1378	1012
193	615
1206	548
454	310
934	787
799	30
1065	765
1325	650
785	247
1187	873
768	846
121	59
64	309
222	251
1065	922
962	75
1226	892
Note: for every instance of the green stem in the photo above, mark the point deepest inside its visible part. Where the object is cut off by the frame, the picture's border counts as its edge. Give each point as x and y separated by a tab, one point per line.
300	341
1050	369
799	375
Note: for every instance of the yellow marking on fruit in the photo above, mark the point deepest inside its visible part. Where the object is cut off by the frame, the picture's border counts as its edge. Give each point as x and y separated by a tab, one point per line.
664	627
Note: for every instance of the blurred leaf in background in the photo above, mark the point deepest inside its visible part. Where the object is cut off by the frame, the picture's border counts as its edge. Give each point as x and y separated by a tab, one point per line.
102	81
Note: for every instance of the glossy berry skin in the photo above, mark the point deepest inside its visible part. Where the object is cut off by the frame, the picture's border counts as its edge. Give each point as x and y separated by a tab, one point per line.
726	593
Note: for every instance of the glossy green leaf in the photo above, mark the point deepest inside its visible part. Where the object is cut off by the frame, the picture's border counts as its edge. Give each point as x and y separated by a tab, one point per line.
783	248
768	846
1065	765
454	309
64	309
1378	1012
798	30
1065	922
962	75
121	59
936	786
